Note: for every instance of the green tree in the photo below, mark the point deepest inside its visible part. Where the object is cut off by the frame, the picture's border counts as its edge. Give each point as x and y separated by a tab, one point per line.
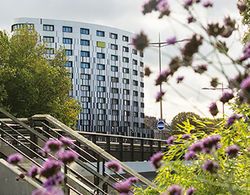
30	83
183	117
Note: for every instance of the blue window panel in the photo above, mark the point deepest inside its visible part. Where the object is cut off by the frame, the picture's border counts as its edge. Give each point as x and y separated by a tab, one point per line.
68	52
85	65
67	29
101	89
85	53
100	66
114	68
84	31
84	42
100	33
100	78
67	41
69	64
100	55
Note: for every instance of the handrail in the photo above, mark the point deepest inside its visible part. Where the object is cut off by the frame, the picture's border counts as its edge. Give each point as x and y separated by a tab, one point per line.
94	147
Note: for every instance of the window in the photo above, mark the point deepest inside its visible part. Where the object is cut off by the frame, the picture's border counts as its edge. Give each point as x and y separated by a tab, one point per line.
135	103
125	49
141	74
125	70
100	33
67	41
85	53
85	76
142	105
100	67
142	115
47	27
141	54
114	57
135	83
142	95
135	93
141	64
101	89
114	47
84	31
101	100
49	51
142	84
85	99
85	88
135	62
126	113
134	51
136	114
125	81
68	52
125	59
68	64
114	79
115	112
18	26
67	29
101	55
126	102
114	90
125	91
100	44
135	72
84	42
47	39
113	36
114	68
136	124
85	65
114	101
100	78
125	38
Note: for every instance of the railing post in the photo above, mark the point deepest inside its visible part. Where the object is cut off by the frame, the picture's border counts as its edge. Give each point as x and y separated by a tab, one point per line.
159	145
132	151
142	150
96	179
66	189
151	142
121	148
108	144
104	186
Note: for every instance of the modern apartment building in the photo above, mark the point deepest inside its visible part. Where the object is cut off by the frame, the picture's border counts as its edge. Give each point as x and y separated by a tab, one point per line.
106	73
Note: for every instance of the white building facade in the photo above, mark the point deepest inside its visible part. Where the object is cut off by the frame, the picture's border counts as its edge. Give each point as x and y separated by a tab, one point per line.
106	73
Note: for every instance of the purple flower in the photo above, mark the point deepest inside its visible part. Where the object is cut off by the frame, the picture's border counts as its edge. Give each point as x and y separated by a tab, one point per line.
163	6
33	171
210	166
156	159
114	166
185	136
246	52
188	3
133	179
226	96
15	158
162	76
174	190
191	19
53	180
245	84
170	140
232	151
241	6
66	141
147	71
200	69
67	156
171	41
210	143
52	191
179	79
213	109
159	96
232	119
190	155
140	41
123	187
52	145
50	167
196	147
190	191
207	4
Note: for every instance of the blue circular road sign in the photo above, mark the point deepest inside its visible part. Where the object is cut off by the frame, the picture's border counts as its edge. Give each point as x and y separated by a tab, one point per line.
161	125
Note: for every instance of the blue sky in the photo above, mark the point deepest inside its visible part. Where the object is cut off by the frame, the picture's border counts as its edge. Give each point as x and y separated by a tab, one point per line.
127	15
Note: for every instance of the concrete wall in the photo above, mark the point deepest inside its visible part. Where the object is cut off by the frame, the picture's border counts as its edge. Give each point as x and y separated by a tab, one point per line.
8	183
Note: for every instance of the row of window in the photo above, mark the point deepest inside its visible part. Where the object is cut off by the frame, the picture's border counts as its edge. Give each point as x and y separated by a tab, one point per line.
86	116
85	31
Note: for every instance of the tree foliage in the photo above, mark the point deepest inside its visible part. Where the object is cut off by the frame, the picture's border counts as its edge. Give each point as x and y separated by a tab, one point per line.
183	117
30	83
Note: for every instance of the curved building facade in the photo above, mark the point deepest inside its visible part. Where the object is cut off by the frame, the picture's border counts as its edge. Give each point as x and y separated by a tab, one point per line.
106	72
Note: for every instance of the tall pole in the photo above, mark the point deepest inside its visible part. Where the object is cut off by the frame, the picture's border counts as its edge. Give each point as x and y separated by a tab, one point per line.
161	117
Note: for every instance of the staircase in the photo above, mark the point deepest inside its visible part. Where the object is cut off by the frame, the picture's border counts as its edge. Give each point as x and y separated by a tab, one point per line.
87	175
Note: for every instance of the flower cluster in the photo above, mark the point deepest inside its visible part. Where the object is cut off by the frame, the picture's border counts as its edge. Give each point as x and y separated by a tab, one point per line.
156	159
114	166
124	187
